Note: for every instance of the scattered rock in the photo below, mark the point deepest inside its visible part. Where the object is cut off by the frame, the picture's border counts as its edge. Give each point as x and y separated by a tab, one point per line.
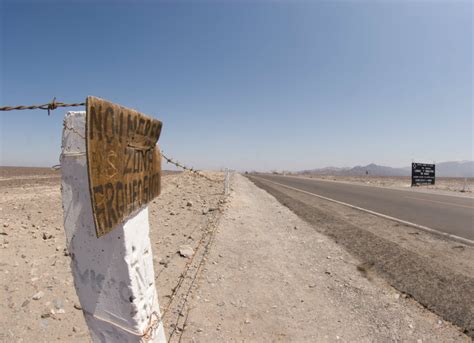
77	307
58	304
47	236
186	251
247	321
189	204
38	295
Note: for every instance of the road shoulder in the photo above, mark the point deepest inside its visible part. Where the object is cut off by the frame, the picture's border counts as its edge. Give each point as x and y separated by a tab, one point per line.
270	276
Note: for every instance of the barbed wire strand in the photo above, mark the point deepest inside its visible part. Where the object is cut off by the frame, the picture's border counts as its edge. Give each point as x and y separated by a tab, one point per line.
51	106
190	169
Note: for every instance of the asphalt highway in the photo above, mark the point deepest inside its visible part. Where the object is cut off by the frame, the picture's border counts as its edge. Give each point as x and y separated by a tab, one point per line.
449	214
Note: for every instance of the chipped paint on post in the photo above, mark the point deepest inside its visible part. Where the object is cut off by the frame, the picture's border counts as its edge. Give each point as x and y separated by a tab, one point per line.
113	274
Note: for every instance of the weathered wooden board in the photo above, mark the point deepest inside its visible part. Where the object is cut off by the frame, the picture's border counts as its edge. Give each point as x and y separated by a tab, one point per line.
123	161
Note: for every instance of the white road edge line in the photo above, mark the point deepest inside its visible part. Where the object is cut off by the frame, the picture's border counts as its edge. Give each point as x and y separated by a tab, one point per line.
394	188
421	227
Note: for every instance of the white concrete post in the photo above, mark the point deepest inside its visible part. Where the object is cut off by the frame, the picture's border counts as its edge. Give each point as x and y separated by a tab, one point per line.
113	274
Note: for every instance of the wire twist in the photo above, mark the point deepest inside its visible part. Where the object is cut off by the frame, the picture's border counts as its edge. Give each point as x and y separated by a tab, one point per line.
51	106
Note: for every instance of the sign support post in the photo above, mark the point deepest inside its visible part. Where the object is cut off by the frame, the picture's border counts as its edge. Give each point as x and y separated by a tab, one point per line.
113	273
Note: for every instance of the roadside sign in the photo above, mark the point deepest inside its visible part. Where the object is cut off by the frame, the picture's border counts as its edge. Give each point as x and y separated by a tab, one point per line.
422	174
123	161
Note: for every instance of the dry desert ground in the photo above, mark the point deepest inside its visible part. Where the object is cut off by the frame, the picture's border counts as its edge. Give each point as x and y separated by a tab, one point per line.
258	273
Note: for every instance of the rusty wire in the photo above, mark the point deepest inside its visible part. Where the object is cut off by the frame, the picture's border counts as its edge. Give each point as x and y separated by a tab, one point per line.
51	106
181	166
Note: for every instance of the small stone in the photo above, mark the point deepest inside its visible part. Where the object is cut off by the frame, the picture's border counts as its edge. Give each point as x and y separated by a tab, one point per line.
5	225
205	211
221	303
26	302
38	295
61	311
199	330
396	296
186	251
74	329
78	307
58	304
247	321
46	315
189	204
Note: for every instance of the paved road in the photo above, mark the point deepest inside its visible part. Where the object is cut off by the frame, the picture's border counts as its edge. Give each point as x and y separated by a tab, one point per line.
449	214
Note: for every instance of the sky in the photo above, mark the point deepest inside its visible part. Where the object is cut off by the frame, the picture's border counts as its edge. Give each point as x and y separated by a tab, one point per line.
248	85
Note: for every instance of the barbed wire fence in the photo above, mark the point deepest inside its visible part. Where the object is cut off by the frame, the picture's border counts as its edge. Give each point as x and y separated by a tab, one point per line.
204	242
53	104
50	106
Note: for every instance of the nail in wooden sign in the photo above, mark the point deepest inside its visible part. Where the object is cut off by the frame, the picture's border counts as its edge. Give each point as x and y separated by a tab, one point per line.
123	161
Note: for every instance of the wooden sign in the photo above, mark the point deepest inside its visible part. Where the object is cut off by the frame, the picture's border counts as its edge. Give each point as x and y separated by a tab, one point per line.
123	161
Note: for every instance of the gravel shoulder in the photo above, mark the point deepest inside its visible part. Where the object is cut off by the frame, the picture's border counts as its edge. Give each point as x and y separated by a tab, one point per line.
270	276
436	272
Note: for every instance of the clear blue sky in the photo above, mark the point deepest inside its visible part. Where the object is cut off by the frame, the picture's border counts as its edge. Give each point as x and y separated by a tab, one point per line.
248	84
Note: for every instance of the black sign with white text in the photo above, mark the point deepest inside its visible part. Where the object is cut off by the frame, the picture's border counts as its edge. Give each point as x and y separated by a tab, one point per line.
422	174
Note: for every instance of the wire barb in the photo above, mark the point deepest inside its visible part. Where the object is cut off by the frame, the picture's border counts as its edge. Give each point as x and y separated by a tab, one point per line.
51	106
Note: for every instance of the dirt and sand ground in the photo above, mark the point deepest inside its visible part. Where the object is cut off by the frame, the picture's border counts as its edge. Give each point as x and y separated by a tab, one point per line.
460	186
258	273
34	263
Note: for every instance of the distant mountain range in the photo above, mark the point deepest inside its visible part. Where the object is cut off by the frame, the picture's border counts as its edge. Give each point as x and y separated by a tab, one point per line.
443	169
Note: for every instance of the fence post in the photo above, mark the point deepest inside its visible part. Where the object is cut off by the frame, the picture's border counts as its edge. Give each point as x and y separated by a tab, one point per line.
226	182
113	274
